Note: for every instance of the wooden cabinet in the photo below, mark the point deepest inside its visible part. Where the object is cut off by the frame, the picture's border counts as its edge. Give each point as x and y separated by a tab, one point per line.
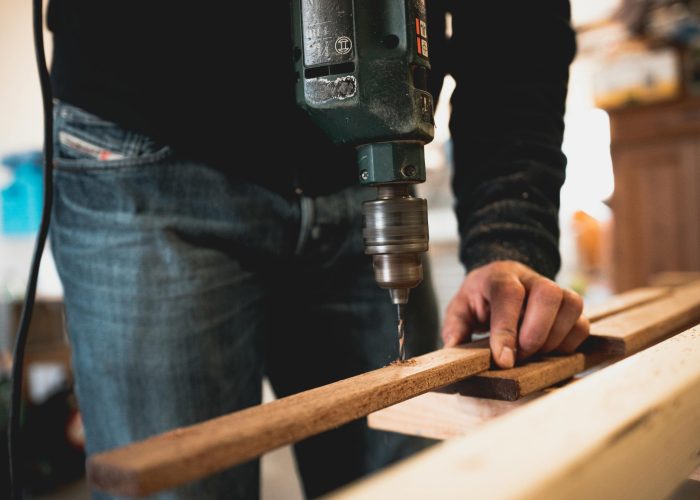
656	203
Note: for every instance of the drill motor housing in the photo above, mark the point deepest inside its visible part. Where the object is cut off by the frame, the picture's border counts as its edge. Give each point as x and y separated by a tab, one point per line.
361	74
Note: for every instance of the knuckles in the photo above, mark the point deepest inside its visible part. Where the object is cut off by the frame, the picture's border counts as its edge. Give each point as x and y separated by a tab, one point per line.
507	287
548	292
530	345
512	282
574	301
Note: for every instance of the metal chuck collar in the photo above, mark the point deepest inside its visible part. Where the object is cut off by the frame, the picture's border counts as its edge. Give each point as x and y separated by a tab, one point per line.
396	234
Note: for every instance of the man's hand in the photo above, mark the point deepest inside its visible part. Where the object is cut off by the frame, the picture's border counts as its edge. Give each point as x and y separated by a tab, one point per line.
526	313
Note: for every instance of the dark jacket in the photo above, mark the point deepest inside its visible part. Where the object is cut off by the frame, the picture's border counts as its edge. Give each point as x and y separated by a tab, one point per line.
191	73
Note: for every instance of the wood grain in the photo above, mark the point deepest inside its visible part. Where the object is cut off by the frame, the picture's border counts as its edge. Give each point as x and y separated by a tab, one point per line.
624	301
656	203
441	415
191	453
630	331
631	430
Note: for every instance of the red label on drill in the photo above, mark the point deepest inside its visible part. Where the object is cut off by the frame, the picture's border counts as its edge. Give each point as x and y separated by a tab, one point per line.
421	38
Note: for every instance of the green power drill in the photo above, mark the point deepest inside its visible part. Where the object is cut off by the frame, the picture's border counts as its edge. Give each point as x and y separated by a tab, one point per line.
361	74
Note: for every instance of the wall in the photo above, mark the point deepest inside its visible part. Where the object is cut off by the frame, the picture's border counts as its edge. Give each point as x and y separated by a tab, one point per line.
20	130
20	100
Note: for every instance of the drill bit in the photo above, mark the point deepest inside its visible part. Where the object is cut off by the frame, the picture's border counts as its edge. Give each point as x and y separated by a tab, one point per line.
402	331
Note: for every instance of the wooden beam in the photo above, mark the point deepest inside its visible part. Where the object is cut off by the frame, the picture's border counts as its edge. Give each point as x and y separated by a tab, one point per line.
625	301
633	330
441	415
631	430
194	452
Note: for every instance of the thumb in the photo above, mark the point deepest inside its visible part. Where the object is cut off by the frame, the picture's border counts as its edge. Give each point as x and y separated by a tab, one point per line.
506	295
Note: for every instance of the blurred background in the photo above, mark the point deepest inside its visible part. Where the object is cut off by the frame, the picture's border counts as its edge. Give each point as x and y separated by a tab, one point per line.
630	208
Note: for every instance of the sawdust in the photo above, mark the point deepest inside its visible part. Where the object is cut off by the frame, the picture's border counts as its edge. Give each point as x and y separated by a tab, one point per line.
407	362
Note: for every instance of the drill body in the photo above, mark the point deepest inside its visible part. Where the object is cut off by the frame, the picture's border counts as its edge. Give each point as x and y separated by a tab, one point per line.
361	74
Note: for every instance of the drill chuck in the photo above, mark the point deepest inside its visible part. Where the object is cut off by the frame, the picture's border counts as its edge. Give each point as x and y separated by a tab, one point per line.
396	234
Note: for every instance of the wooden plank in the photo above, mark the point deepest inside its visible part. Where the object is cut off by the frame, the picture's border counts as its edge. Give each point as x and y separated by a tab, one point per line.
519	381
673	278
441	415
191	453
634	330
631	430
625	301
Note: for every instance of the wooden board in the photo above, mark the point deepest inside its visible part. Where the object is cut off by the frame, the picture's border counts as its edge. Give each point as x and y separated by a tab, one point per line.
191	453
631	430
517	382
441	415
630	331
674	278
624	301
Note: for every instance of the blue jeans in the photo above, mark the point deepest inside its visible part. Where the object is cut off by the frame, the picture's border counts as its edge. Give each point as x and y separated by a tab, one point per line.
184	286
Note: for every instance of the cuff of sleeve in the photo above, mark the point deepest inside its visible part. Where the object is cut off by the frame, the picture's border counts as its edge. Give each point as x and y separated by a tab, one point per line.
544	261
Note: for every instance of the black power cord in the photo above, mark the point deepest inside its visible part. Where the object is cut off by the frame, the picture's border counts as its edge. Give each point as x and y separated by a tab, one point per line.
14	440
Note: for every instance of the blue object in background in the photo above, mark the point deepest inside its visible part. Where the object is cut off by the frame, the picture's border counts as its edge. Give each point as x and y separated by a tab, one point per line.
21	202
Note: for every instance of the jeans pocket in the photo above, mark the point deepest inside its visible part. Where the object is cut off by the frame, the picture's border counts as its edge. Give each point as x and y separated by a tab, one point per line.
85	141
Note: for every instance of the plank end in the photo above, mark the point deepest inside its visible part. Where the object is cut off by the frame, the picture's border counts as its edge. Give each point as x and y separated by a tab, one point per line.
605	346
486	387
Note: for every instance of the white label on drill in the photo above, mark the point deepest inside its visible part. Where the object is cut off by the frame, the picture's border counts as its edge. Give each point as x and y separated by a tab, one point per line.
343	45
424	47
87	148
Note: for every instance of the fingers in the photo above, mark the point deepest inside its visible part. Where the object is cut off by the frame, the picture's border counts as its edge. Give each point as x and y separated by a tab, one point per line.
576	336
526	313
541	313
456	328
569	312
505	294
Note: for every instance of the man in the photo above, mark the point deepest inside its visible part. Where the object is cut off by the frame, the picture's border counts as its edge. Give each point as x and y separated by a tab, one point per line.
190	273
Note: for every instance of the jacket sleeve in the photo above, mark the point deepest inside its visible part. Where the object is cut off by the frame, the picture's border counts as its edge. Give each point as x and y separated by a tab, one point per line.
510	59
